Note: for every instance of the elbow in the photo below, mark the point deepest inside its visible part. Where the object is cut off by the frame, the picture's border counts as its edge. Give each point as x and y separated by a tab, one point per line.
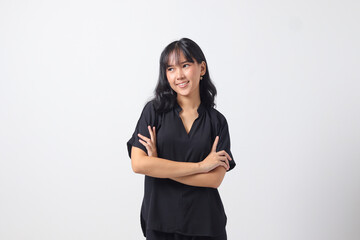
135	168
135	165
138	158
218	177
216	184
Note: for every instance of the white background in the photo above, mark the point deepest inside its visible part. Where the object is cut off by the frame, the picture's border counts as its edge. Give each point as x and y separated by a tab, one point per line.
75	75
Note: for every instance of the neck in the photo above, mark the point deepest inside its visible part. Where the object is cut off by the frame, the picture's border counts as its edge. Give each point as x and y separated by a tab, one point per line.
189	103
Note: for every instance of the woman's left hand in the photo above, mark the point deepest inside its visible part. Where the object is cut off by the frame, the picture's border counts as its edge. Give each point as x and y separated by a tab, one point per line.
150	144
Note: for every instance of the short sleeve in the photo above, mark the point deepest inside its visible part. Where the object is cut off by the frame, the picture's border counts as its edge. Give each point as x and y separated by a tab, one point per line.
147	117
224	141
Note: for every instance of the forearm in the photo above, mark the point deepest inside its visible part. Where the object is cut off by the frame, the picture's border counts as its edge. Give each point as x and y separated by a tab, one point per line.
164	168
211	179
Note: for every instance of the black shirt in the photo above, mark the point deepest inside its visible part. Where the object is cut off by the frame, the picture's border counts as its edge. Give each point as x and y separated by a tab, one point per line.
168	205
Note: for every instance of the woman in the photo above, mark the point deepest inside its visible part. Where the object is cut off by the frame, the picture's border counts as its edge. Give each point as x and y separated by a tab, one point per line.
181	144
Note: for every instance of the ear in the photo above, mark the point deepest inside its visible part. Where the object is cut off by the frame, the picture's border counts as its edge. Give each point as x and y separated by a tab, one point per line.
203	68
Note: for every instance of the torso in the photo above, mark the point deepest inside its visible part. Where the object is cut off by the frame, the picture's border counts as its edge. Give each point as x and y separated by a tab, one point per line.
182	136
188	119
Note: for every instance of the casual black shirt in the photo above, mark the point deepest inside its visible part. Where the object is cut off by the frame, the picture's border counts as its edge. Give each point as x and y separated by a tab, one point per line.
168	205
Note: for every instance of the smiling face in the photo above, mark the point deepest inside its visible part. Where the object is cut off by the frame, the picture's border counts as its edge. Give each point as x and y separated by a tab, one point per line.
184	76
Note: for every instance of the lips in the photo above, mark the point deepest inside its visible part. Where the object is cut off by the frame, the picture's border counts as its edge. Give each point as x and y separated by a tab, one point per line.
183	82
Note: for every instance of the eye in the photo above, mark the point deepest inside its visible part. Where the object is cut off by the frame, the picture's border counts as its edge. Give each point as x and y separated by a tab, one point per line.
186	65
170	69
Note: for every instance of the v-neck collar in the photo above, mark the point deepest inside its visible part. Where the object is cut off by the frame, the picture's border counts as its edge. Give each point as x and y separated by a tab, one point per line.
200	109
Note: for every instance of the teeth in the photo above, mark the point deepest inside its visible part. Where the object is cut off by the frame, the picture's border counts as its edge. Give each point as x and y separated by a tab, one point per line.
182	84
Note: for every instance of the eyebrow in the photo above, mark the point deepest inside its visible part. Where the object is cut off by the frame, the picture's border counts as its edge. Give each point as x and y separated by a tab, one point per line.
180	63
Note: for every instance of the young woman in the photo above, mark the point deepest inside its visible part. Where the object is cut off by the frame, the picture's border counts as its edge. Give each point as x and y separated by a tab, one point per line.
181	144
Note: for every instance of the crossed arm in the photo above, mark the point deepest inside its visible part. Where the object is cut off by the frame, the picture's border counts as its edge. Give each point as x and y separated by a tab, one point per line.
210	179
208	173
184	172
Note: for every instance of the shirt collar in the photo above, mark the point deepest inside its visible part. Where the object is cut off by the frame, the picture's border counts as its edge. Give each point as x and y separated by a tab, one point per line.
200	109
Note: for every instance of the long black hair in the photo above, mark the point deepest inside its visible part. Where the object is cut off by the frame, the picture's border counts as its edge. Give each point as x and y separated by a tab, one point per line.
165	96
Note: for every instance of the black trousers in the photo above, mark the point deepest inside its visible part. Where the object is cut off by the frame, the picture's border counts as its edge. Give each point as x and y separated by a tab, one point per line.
156	235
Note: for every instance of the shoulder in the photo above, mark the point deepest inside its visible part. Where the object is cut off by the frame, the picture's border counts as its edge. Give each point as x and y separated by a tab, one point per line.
217	116
148	107
148	113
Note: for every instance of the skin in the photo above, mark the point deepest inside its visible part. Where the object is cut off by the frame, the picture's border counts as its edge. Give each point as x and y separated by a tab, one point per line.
189	97
207	173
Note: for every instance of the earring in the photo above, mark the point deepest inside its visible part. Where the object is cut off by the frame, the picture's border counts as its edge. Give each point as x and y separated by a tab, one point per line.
201	77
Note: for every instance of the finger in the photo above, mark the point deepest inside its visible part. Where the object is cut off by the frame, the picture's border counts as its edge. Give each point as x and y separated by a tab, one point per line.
151	133
147	146
144	143
225	160
228	156
213	149
227	163
223	152
154	131
144	138
224	165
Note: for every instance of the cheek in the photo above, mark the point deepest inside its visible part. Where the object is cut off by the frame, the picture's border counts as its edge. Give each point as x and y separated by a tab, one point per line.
171	85
192	72
170	78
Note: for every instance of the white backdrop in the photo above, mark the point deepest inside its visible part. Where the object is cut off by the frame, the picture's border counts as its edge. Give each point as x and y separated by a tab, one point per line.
75	75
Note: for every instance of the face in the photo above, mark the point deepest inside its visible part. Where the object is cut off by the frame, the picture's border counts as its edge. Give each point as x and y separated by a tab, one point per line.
184	77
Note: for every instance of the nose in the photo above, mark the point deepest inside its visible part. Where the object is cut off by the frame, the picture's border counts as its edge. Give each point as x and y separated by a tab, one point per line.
179	73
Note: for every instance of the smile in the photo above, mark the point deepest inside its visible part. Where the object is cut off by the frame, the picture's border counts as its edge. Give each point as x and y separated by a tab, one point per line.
182	85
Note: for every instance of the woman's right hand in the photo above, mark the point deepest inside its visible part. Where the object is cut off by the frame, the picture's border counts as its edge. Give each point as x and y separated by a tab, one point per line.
149	143
215	159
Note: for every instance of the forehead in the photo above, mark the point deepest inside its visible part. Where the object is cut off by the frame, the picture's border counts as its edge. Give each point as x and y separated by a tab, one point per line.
176	57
